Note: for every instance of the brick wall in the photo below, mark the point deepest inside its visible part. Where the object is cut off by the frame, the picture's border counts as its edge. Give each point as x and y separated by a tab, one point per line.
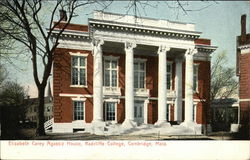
244	78
62	80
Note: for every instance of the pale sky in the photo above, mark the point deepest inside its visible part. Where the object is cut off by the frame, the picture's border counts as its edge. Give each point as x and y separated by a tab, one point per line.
218	21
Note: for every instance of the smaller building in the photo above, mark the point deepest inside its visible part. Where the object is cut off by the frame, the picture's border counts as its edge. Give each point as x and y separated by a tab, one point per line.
225	115
32	103
31	111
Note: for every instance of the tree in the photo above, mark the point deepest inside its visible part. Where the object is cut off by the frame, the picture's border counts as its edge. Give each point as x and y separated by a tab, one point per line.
223	81
12	108
25	25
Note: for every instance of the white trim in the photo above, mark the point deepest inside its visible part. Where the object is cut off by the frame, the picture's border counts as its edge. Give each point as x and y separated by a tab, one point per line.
140	39
195	112
78	86
245	100
78	54
196	100
146	111
112	100
74	44
169	111
245	49
75	95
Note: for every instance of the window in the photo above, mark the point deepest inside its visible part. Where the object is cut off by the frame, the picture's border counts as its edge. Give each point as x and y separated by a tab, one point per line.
78	72
194	113
139	74
169	75
110	111
110	73
195	82
78	110
168	112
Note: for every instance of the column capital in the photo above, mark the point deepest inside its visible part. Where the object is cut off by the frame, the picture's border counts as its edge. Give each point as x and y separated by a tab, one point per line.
97	42
163	49
191	51
129	45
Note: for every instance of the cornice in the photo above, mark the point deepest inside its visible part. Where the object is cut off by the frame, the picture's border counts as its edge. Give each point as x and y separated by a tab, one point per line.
139	29
244	47
206	48
72	34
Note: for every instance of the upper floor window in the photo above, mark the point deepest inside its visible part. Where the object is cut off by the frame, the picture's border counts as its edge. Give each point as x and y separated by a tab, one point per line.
169	75
110	72
195	82
78	110
78	70
139	74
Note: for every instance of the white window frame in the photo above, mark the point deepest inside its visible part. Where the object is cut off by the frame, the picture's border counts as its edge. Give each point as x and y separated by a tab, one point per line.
73	109
139	60
78	54
170	73
111	100
168	116
194	112
111	58
195	78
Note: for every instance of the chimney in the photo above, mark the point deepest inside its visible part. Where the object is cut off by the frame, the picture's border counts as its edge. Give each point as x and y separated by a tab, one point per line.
243	28
63	15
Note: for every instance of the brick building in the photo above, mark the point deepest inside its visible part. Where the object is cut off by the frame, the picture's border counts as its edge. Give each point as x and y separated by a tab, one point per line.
243	71
129	71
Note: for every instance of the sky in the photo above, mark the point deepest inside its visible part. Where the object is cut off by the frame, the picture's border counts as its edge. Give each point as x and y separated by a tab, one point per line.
217	20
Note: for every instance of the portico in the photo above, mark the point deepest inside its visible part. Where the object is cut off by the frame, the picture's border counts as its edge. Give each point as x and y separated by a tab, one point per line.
130	92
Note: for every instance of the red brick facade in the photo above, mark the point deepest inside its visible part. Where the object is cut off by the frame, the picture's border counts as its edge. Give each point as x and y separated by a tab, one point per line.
62	82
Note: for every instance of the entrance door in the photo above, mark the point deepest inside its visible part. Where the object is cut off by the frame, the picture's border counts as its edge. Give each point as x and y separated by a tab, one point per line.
139	112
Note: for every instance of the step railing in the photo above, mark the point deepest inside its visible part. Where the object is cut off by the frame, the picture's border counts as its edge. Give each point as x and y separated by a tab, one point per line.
48	124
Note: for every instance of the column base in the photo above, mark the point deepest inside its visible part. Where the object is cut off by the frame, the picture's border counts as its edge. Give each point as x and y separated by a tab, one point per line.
162	124
97	127
129	124
196	128
234	128
188	124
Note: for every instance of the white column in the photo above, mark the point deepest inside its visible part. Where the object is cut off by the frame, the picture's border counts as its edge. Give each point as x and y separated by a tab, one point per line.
98	81
189	86
162	85
178	91
129	85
